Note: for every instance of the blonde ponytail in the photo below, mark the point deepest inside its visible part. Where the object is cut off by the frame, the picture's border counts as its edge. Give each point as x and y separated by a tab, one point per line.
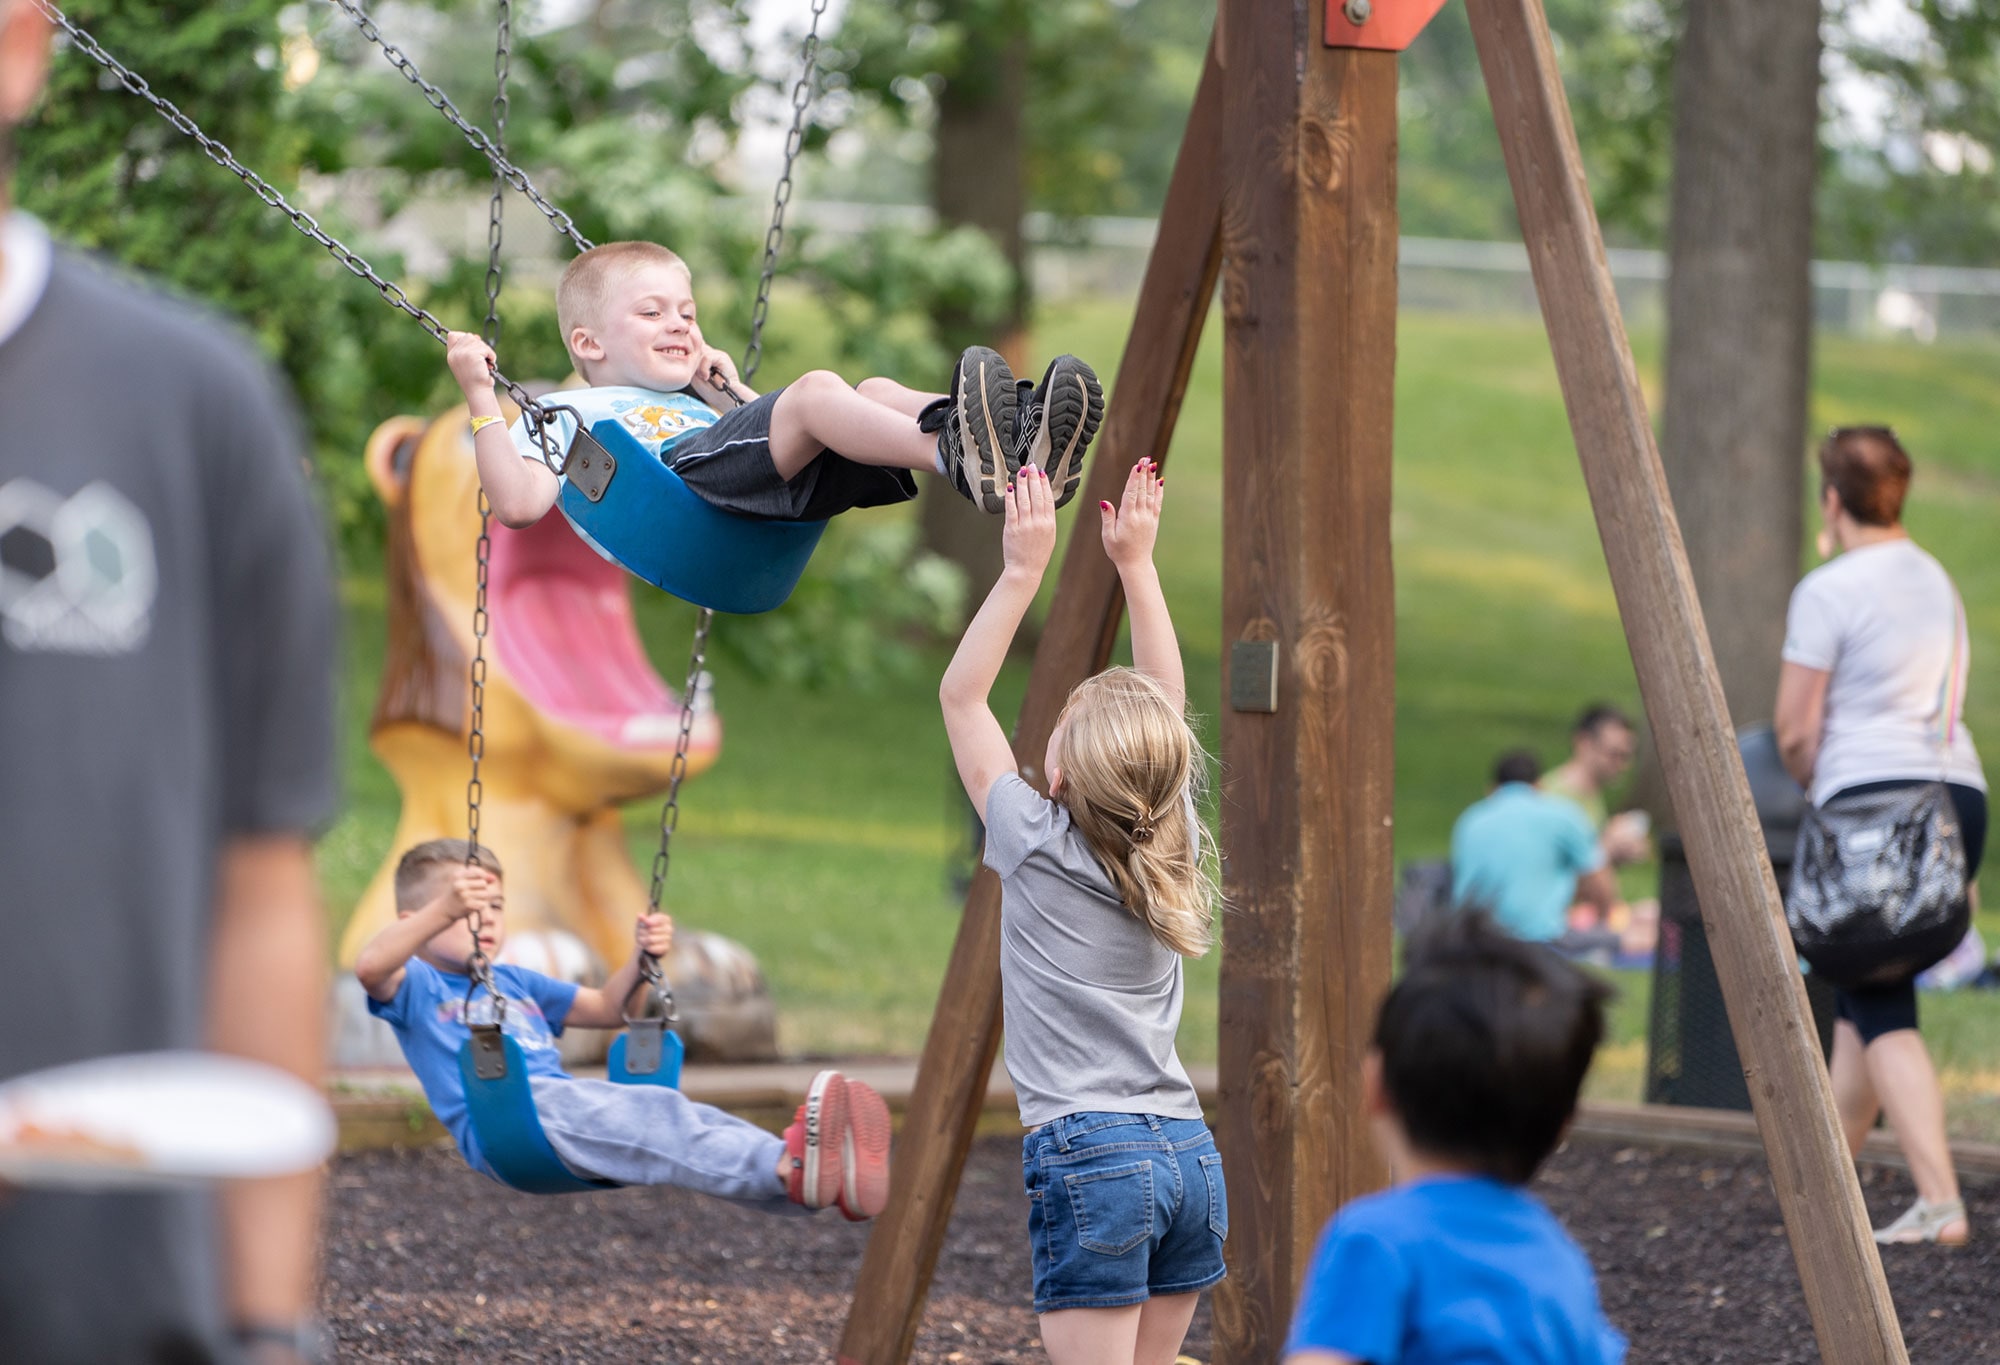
1130	767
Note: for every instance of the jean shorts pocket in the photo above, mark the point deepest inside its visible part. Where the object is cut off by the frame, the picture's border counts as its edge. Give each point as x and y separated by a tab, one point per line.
1113	1207
1218	1195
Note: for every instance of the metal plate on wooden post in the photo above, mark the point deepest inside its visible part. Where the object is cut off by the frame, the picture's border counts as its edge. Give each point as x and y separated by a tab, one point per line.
1378	25
590	466
489	1052
1253	675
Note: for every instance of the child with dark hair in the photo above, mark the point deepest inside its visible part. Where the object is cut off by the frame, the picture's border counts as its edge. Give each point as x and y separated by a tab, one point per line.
1478	1055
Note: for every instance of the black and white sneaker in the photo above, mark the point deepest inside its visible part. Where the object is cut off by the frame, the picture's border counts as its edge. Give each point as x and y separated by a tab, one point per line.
1058	418
975	427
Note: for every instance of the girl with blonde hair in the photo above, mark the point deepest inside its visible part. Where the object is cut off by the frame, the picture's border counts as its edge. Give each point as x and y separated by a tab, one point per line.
1105	888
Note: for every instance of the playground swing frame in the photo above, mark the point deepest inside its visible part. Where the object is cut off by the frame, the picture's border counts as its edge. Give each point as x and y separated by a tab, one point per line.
1284	191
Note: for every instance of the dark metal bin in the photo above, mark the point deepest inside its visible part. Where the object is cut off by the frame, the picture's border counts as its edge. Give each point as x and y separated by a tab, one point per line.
1690	1052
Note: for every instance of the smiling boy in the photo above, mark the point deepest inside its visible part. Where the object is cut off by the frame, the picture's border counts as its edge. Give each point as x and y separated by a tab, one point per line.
808	451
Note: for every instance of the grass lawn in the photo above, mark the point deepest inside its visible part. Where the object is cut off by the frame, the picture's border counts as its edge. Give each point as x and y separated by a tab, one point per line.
825	836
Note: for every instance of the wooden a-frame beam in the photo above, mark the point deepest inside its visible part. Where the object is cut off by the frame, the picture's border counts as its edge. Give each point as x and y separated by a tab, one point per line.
1821	1200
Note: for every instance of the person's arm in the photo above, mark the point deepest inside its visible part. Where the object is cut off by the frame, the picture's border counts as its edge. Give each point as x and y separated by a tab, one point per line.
604	1006
266	1001
1799	718
1599	890
520	491
978	745
1130	530
383	959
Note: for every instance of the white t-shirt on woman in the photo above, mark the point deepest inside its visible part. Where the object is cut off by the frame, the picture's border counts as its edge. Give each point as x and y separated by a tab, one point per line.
1884	620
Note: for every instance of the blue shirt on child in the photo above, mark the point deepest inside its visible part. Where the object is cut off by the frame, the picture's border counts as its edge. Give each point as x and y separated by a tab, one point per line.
655	419
1458	1270
428	1014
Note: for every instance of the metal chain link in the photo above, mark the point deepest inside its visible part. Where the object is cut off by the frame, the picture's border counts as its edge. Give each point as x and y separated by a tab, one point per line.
497	205
670	812
774	236
481	143
477	967
218	152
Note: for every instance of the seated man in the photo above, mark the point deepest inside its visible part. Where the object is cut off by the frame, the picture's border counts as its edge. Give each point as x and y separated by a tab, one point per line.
1527	856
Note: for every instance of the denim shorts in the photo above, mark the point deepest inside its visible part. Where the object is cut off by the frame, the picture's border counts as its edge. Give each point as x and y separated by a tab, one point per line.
1122	1207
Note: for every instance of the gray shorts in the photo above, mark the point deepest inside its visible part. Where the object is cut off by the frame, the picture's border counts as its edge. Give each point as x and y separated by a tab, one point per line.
729	465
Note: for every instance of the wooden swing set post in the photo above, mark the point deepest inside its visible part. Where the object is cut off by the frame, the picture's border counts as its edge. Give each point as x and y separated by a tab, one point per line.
1287	174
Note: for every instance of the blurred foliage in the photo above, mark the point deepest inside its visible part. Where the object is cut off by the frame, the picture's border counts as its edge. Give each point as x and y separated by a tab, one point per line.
860	616
1925	185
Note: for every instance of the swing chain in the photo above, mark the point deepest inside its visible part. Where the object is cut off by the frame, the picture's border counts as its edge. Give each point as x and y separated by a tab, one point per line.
219	153
774	236
670	813
481	143
497	205
477	968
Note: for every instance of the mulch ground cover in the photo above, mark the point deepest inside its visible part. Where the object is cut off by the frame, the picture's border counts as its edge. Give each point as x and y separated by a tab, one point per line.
427	1262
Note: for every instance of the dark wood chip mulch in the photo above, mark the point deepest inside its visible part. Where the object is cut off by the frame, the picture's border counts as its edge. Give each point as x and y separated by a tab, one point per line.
427	1262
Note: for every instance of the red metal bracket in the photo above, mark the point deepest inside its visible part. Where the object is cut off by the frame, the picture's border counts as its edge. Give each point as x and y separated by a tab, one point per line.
1379	25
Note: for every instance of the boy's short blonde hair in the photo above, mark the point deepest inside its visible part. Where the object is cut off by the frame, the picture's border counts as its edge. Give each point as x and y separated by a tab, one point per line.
417	871
584	291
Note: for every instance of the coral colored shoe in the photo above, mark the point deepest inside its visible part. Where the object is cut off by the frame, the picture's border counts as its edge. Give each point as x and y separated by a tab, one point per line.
864	1158
817	1142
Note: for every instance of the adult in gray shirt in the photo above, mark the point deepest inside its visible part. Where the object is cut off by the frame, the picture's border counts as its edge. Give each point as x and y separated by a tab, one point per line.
165	742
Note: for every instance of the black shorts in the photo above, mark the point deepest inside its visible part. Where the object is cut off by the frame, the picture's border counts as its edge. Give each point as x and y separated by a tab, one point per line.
1876	1010
729	465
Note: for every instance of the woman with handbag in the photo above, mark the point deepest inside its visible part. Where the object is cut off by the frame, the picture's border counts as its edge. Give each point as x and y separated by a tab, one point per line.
1868	719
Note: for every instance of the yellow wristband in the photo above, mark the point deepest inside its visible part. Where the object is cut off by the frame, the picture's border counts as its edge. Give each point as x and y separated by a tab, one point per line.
479	422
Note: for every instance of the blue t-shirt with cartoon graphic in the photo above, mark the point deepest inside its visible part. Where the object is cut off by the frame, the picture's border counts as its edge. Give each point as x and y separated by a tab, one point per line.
655	419
428	1015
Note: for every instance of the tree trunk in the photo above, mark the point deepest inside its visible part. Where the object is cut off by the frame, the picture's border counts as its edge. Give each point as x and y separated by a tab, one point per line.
1739	322
979	178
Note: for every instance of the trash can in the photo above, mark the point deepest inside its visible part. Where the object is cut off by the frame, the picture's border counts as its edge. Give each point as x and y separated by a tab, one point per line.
1690	1052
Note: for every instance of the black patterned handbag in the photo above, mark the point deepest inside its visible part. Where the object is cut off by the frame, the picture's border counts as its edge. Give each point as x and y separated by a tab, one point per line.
1878	885
1878	879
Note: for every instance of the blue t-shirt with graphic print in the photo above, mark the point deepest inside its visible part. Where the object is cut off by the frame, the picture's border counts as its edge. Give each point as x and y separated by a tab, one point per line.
428	1015
655	419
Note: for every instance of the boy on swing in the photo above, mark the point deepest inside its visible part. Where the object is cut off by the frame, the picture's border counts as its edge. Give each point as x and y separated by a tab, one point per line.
835	1154
815	448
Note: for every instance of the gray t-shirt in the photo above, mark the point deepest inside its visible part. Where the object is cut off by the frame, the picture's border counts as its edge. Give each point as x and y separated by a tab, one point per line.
166	683
1092	999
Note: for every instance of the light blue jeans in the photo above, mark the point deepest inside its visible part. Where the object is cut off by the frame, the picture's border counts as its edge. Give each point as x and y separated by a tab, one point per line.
655	1135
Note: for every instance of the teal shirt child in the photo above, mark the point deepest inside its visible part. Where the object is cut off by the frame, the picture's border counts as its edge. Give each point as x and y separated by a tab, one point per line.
1519	853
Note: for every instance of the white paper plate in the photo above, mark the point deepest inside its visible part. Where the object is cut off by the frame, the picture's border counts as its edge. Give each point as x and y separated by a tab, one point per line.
159	1118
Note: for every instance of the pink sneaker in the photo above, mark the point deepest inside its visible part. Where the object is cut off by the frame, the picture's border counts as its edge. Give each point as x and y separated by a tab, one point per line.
864	1158
817	1143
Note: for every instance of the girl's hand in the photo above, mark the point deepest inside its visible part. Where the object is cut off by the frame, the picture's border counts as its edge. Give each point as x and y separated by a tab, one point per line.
471	361
1030	537
655	935
472	888
1133	525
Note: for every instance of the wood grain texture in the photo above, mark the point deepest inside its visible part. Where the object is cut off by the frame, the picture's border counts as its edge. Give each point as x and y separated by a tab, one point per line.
1309	306
1076	642
1838	1264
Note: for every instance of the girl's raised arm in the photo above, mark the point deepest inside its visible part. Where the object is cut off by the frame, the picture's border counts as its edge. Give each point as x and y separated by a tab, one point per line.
978	744
1130	529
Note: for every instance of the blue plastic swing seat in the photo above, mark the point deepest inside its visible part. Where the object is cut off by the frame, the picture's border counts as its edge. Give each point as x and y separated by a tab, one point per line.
502	1113
662	531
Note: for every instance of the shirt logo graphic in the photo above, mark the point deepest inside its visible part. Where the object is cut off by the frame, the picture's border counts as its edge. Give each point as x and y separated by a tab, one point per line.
77	574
